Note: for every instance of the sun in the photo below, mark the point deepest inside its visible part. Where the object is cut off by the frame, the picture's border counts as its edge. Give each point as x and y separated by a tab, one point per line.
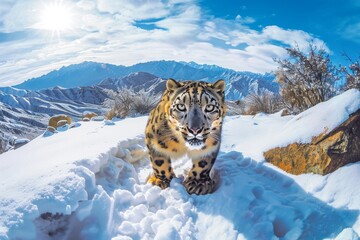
56	17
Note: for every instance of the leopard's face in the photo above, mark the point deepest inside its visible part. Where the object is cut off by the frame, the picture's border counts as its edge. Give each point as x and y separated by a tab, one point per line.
197	110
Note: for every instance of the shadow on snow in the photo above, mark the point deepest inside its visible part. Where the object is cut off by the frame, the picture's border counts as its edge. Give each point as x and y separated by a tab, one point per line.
258	202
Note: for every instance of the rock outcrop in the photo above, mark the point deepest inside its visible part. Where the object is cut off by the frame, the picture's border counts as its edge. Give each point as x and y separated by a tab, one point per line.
58	121
326	152
87	116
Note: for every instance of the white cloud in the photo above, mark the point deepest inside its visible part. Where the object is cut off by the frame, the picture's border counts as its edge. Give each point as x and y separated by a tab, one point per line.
5	6
247	19
86	4
134	9
292	38
235	33
106	31
11	21
180	28
226	30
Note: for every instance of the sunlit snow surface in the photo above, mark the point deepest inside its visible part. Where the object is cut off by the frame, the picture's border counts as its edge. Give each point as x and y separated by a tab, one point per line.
88	182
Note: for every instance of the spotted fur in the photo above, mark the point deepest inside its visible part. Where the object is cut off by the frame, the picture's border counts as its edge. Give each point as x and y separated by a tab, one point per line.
187	121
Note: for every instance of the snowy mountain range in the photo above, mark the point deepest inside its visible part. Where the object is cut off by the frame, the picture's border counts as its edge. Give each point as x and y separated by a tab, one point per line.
239	84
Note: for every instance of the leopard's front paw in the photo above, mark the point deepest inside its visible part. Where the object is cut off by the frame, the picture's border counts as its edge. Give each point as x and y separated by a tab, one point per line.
161	182
199	186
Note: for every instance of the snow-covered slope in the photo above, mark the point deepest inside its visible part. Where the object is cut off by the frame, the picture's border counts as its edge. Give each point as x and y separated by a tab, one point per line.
18	123
22	98
279	132
25	113
88	182
137	81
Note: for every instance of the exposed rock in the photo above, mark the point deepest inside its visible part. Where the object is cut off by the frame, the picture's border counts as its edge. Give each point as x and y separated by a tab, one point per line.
61	123
58	121
285	112
20	142
51	129
326	152
87	116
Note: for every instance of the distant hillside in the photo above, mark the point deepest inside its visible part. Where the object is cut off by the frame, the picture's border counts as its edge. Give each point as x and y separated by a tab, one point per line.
137	81
76	75
25	113
90	73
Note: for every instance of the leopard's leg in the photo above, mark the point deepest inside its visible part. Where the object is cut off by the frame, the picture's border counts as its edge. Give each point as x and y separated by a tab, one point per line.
162	170
198	180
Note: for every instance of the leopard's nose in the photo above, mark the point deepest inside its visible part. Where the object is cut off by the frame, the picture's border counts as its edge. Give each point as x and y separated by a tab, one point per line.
194	130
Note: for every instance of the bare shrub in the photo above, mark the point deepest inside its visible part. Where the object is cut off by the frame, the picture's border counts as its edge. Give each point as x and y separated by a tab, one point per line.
265	101
2	145
119	102
143	102
235	107
306	79
127	102
5	142
352	73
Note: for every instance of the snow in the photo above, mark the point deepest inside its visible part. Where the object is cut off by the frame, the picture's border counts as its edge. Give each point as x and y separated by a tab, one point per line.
278	132
326	115
88	182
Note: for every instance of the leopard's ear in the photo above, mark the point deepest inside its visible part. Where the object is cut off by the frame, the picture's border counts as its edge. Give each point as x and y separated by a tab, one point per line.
219	86
172	85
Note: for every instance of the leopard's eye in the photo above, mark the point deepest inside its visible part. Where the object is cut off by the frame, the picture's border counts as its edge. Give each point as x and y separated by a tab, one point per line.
209	108
181	107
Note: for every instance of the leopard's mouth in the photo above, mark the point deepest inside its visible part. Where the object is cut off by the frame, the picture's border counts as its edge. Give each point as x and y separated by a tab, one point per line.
195	141
195	144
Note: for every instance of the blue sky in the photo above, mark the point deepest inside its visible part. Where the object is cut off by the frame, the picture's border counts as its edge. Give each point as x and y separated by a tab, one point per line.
337	23
38	36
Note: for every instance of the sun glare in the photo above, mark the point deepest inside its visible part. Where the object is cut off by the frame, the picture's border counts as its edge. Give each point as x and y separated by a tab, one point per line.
56	17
